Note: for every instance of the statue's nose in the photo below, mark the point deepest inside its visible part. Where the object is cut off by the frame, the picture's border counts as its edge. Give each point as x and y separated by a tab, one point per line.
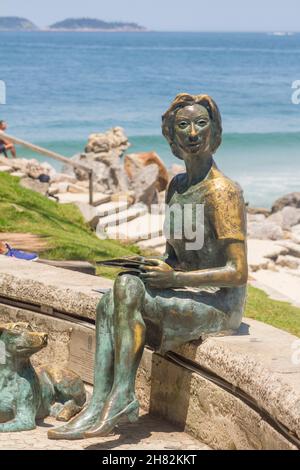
193	134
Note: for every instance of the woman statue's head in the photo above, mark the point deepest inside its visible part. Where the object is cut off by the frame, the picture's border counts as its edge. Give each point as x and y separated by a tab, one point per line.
192	125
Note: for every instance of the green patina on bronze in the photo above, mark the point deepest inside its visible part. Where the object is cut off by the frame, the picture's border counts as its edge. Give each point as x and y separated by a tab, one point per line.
191	293
28	394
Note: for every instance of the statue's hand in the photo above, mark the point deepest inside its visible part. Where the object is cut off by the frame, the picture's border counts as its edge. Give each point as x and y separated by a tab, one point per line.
160	276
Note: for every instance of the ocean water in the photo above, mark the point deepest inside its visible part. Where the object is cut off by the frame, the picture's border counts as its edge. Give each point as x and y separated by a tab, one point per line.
63	86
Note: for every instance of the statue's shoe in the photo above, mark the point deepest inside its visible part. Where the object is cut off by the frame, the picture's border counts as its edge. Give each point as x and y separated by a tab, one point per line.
72	431
129	413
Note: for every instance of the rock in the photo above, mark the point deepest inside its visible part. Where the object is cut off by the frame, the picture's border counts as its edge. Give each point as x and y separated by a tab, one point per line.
260	252
18	174
293	248
145	185
35	185
20	164
34	169
176	170
291	200
102	155
134	162
257	211
256	217
286	217
113	139
63	178
265	231
290	262
6	169
296	229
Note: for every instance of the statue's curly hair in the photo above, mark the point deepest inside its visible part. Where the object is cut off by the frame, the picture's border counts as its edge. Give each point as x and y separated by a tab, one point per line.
181	101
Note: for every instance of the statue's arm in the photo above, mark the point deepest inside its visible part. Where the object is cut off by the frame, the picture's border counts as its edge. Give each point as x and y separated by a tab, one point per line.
234	273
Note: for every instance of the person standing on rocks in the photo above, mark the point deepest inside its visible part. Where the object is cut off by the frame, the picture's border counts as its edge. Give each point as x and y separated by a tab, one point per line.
4	144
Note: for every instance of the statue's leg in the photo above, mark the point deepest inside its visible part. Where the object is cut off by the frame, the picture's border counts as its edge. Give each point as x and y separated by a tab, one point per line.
103	374
129	340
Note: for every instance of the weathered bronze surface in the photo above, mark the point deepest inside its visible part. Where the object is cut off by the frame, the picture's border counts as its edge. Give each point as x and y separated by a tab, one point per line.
169	304
27	394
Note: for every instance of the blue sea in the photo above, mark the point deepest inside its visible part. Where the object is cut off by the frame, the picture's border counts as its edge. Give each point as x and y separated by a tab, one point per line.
63	86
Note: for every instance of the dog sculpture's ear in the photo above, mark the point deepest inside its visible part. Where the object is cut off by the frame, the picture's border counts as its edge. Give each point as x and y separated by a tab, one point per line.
3	327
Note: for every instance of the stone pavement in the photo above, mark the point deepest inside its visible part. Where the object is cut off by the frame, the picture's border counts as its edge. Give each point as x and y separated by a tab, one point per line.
150	433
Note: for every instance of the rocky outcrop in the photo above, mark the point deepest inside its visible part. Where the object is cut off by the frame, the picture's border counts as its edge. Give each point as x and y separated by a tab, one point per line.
291	200
103	154
135	162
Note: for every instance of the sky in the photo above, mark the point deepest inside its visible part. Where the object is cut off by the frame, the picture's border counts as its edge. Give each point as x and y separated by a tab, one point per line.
166	15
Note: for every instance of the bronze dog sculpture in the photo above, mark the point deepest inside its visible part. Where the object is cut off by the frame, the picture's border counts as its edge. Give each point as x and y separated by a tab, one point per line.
28	394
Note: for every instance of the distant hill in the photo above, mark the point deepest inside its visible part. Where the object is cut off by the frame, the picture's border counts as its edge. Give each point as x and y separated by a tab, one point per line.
91	24
14	23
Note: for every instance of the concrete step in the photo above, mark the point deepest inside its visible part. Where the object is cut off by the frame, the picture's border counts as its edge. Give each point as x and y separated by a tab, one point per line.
67	198
156	242
122	218
112	208
144	227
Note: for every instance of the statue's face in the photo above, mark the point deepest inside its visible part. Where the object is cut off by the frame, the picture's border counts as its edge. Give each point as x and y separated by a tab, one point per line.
193	130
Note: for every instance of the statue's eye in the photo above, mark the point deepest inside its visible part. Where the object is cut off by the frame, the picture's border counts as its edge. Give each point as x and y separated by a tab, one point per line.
183	124
201	122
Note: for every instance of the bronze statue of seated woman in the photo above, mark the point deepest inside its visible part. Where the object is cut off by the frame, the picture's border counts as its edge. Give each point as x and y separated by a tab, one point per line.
170	303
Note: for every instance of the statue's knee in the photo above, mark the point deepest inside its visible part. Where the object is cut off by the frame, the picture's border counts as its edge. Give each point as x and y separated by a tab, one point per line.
128	290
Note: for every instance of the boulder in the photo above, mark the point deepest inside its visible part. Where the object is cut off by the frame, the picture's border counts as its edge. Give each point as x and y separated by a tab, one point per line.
286	217
35	185
265	231
63	178
113	139
258	211
256	217
290	262
293	248
134	162
145	185
291	200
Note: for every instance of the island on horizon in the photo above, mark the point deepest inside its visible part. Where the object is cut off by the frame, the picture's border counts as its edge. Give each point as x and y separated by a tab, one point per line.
92	24
15	23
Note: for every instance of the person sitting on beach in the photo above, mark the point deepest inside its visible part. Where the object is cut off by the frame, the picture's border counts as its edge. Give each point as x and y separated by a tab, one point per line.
4	144
7	250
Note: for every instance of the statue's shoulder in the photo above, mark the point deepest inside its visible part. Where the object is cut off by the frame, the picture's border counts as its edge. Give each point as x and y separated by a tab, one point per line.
220	184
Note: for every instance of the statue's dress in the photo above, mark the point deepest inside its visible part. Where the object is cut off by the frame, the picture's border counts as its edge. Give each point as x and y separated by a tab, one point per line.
176	316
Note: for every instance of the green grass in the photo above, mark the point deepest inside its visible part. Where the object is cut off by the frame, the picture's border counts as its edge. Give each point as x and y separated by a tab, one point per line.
282	315
68	237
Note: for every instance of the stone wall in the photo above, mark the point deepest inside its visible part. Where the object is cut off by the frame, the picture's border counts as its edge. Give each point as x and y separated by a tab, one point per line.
259	409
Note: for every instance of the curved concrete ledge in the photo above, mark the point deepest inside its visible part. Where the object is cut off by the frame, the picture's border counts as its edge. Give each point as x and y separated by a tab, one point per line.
258	361
52	288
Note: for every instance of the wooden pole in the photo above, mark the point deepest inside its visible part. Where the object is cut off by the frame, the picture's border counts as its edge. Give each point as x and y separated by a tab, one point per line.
54	155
